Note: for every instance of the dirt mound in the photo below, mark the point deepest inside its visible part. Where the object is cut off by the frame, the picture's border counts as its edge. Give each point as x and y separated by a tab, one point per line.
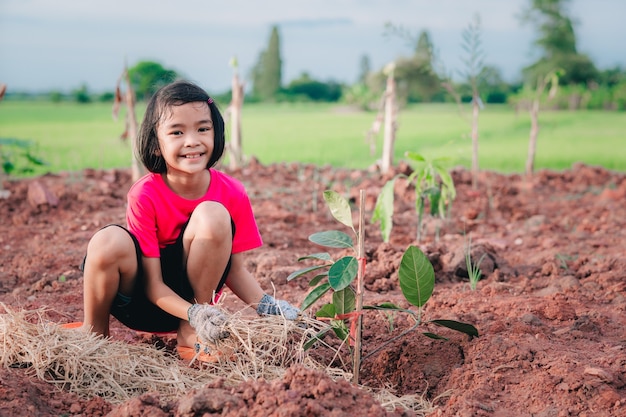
550	309
301	392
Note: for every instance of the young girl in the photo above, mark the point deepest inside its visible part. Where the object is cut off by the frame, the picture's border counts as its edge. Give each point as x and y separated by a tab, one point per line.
188	225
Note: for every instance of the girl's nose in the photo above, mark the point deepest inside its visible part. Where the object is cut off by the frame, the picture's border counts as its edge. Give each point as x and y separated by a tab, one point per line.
191	139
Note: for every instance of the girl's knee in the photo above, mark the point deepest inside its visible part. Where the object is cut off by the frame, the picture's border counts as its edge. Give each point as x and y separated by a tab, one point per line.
210	217
110	244
212	209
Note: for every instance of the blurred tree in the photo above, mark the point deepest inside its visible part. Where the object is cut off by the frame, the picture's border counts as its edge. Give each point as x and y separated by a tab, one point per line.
612	76
106	97
365	68
267	73
415	76
56	96
81	94
557	41
147	77
491	84
474	66
314	90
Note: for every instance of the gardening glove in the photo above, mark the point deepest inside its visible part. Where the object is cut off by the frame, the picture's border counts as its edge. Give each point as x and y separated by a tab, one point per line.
208	322
271	306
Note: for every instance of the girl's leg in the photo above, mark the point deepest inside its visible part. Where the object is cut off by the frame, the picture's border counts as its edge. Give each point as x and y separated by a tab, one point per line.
110	267
207	245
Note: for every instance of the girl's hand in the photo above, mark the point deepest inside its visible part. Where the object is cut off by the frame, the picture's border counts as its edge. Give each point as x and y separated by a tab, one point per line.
208	322
271	306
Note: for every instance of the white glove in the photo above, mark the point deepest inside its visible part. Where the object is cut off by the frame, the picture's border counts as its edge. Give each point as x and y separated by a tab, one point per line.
271	306
208	322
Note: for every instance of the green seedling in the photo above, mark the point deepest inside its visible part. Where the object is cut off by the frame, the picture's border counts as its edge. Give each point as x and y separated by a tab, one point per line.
563	260
433	186
17	156
473	269
344	312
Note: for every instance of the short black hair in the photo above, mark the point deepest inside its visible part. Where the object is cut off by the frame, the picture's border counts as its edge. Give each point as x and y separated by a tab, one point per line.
175	94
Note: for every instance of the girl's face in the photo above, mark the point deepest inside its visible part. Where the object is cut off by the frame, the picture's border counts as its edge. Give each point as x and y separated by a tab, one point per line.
186	138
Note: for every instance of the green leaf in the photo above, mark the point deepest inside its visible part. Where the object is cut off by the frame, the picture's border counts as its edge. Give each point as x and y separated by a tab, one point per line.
340	329
466	328
344	301
314	295
8	167
383	306
324	256
339	208
343	272
317	279
327	310
332	239
417	276
415	156
306	270
309	344
34	160
383	211
434	336
434	196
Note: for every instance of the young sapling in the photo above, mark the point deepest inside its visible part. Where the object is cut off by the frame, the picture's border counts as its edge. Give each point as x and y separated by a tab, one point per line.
416	277
433	185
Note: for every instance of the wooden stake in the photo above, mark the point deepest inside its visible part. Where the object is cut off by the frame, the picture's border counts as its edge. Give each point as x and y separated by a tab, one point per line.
136	165
389	132
359	289
236	157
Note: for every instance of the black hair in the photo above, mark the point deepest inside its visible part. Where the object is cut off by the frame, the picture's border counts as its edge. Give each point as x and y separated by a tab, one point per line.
175	94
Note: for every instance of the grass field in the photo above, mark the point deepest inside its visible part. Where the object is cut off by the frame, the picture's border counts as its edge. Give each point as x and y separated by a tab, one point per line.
71	137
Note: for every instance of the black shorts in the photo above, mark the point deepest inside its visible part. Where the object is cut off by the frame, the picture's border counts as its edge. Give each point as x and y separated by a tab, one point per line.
139	313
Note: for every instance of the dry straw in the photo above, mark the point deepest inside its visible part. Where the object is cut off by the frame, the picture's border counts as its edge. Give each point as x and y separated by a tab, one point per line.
89	365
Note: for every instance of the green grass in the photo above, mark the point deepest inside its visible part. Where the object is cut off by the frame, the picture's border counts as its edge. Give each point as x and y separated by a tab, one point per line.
71	137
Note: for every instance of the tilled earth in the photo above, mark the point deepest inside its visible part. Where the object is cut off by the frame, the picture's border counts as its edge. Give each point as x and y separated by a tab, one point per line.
550	309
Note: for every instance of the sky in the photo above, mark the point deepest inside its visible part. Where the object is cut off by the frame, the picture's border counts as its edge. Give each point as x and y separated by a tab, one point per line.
62	44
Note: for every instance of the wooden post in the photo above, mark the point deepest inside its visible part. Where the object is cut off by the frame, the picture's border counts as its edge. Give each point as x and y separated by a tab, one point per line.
532	141
389	132
136	165
236	155
128	98
475	111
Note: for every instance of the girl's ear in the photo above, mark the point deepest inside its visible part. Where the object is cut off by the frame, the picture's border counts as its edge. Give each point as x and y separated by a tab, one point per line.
157	152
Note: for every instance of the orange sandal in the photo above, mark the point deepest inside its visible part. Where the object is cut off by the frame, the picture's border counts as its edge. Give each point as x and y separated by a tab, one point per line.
73	325
192	354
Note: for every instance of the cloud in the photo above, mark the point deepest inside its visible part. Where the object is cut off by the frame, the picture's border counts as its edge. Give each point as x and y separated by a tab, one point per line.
316	23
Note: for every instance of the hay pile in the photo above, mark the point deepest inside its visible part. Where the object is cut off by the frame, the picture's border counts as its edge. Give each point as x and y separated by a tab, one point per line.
89	365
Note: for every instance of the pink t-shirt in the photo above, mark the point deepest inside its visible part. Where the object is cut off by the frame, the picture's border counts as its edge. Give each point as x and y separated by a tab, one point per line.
156	214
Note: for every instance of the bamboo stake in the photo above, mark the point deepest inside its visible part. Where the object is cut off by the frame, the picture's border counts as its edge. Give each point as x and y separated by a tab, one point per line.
359	289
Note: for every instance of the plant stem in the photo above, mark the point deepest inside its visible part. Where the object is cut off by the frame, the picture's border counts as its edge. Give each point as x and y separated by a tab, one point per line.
359	289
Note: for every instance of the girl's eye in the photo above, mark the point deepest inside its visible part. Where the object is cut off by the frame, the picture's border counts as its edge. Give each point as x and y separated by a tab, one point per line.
204	129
